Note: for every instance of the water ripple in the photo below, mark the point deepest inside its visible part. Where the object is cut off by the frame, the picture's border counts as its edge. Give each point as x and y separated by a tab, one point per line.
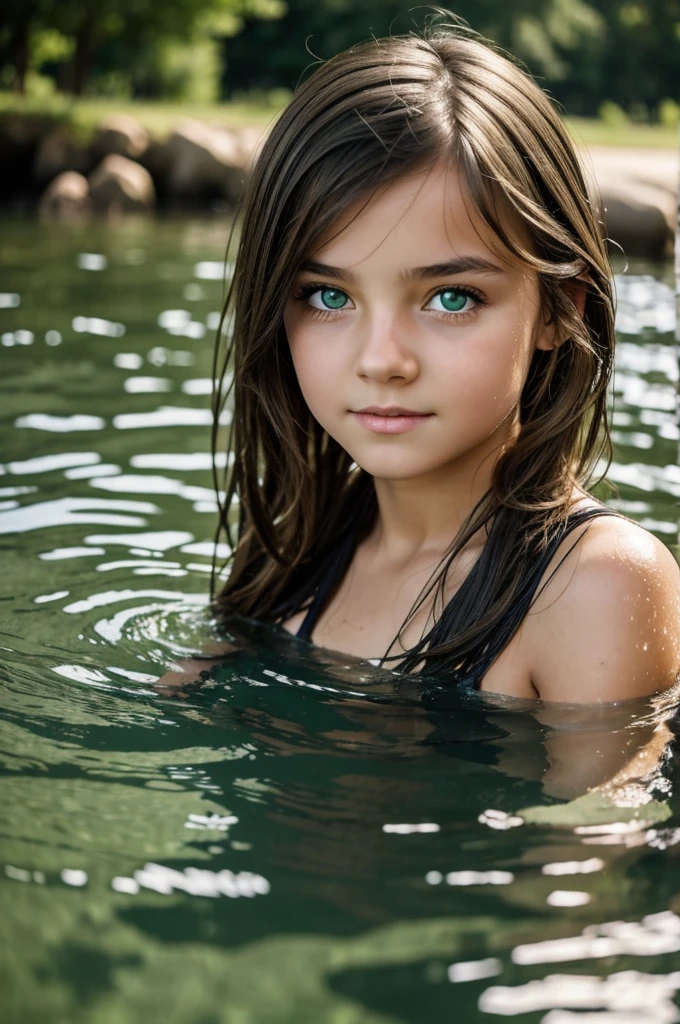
60	424
73	511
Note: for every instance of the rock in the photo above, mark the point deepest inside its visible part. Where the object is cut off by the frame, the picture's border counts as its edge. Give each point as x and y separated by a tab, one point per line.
122	135
639	218
204	162
67	196
660	167
249	140
156	159
58	151
121	185
20	136
637	197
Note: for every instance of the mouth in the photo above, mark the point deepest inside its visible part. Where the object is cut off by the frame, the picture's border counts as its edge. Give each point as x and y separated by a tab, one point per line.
388	410
392	419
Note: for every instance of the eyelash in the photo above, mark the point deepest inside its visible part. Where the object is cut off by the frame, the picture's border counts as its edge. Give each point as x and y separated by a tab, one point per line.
305	292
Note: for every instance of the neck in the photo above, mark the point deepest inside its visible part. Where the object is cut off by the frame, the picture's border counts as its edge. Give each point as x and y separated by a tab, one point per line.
422	515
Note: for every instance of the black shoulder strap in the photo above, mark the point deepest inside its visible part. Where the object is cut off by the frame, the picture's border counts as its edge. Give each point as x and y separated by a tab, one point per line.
504	631
531	589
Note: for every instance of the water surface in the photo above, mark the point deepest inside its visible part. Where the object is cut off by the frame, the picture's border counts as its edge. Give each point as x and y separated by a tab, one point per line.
293	841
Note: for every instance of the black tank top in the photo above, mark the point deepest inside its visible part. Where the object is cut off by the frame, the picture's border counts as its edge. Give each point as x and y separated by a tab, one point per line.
511	621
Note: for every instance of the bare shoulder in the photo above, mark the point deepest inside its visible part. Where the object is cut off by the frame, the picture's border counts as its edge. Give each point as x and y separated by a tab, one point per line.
606	626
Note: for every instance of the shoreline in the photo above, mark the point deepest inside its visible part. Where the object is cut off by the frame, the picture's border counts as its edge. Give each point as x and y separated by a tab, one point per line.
50	171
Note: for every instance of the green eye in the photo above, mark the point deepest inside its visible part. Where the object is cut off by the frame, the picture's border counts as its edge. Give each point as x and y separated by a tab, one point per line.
452	300
324	298
332	298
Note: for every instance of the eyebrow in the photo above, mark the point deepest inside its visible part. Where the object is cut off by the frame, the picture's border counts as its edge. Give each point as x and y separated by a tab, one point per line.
460	265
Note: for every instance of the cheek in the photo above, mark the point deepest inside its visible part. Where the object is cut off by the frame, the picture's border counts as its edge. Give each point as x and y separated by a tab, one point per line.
317	367
487	373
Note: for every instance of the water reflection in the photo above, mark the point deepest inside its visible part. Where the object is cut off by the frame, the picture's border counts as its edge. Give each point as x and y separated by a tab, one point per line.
71	511
60	424
630	997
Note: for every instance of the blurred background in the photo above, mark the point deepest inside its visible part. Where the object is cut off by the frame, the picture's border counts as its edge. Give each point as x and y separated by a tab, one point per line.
184	90
612	60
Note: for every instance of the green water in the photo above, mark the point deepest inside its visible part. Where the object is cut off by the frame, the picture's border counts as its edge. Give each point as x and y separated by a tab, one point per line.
291	842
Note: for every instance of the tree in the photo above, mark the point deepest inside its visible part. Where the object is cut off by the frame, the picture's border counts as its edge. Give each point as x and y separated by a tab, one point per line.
639	60
18	20
136	23
544	33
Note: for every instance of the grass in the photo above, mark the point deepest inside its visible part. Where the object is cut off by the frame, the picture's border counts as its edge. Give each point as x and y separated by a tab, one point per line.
159	117
591	132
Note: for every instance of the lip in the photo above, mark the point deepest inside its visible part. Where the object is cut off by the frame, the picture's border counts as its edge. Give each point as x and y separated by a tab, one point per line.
389	410
391	419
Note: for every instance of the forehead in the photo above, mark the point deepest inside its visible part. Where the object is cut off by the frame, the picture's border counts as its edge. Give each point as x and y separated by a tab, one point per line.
423	218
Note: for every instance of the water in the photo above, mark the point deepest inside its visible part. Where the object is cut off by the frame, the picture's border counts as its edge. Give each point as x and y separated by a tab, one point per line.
289	842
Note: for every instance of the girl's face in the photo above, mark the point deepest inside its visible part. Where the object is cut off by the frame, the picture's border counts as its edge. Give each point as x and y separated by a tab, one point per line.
406	307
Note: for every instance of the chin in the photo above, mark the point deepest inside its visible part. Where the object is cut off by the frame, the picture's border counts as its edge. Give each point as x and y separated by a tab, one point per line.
396	468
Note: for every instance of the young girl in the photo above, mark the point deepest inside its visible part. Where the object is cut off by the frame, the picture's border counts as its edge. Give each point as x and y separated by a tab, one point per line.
422	342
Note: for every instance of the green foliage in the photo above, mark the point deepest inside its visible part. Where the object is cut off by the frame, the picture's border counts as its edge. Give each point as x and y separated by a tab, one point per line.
543	41
98	42
39	87
582	51
271	100
185	72
226	19
611	114
547	35
633	15
49	45
111	84
639	112
622	52
669	113
636	59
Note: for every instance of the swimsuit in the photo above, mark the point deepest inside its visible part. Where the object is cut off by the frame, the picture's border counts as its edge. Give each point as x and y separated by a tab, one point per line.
475	663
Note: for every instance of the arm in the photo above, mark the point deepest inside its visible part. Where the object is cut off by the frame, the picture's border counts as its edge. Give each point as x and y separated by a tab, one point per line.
616	745
608	627
606	630
190	674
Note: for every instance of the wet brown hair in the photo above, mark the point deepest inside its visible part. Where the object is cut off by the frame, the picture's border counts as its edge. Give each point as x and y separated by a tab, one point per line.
361	121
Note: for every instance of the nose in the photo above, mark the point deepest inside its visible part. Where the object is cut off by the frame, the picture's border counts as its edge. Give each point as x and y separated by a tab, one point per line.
385	354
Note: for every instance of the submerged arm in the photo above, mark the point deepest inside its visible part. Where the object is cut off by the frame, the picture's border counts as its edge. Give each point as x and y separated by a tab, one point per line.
190	673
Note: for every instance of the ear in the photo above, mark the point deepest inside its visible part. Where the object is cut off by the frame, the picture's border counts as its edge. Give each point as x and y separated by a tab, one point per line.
576	289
